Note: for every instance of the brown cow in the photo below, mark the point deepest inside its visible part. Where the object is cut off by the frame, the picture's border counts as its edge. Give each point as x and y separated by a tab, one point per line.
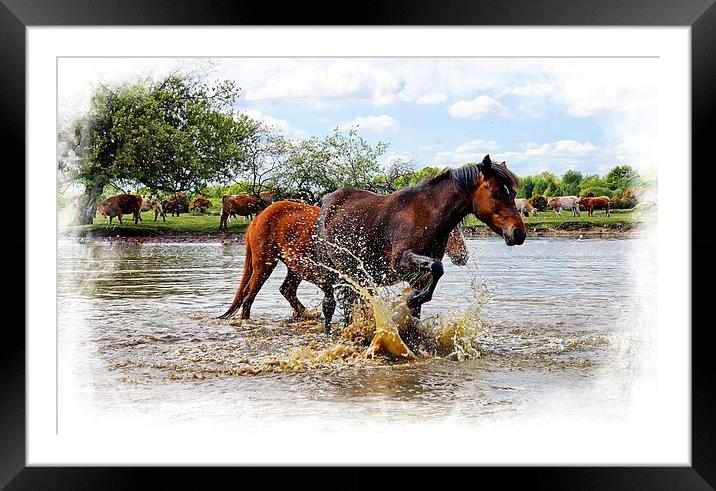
243	205
592	203
116	206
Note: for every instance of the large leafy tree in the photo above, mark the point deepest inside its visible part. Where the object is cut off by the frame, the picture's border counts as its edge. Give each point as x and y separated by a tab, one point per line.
571	181
177	134
621	178
317	166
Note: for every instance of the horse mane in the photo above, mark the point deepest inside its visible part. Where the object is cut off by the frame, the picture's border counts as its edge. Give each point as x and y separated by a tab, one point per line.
466	176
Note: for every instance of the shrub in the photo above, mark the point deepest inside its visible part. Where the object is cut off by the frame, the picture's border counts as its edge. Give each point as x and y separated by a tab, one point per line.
625	200
199	204
539	202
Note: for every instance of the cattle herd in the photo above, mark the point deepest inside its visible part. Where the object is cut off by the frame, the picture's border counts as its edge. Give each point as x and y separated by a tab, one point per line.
233	205
248	205
568	203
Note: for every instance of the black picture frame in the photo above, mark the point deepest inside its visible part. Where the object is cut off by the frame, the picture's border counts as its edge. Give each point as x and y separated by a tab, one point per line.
16	15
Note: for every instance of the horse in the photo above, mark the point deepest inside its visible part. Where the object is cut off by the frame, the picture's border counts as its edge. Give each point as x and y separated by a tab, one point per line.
379	240
525	207
559	203
592	203
285	231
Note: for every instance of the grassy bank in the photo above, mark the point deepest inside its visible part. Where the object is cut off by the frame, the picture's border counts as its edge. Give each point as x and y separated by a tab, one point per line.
545	224
185	224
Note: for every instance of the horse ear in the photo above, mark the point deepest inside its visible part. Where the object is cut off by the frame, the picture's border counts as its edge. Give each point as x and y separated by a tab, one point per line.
486	164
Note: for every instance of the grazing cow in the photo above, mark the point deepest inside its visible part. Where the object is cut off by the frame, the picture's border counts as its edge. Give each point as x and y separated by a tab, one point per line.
152	203
525	207
175	206
119	205
592	203
243	205
569	203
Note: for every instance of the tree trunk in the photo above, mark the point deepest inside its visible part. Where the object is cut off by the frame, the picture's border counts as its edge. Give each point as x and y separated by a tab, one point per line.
89	201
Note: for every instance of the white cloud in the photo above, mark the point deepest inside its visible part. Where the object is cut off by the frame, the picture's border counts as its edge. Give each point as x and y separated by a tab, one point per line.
471	151
528	90
477	108
316	82
373	124
432	98
281	125
557	157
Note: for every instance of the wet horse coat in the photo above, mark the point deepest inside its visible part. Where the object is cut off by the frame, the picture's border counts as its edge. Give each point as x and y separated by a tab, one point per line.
286	231
383	239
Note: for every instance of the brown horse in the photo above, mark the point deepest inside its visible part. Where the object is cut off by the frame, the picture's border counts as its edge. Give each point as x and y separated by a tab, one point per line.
286	231
380	240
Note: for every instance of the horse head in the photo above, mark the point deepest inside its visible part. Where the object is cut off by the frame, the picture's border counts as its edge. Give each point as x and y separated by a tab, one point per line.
493	201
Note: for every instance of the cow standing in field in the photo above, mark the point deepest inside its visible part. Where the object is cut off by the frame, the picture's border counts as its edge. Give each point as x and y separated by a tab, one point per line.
242	205
152	203
569	203
525	207
122	204
592	203
174	206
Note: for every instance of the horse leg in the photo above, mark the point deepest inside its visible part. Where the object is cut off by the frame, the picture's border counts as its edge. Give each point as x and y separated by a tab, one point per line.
240	292
262	268
288	289
348	301
120	218
329	306
434	266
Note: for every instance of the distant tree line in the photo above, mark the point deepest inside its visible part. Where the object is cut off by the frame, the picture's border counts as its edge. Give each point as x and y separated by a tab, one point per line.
181	134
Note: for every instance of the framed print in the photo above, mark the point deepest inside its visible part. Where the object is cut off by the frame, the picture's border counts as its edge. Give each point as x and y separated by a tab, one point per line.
470	241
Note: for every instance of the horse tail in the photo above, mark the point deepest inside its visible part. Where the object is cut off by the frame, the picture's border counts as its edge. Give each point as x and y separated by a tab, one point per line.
239	297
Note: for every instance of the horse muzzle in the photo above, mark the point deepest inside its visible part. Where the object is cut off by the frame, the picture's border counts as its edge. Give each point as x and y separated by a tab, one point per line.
516	237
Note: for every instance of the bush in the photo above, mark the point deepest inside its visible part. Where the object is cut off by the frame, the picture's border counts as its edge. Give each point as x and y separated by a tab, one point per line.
199	204
626	200
539	202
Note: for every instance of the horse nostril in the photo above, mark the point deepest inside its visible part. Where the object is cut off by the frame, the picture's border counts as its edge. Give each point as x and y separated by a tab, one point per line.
519	235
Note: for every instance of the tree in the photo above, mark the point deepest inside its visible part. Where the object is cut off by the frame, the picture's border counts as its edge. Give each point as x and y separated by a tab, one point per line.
266	152
397	174
621	178
174	135
527	186
316	166
353	159
545	182
570	182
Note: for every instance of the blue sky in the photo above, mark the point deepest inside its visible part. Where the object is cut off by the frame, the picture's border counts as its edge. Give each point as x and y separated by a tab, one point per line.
536	114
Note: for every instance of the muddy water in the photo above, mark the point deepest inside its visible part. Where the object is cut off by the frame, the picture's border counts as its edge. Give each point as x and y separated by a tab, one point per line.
560	331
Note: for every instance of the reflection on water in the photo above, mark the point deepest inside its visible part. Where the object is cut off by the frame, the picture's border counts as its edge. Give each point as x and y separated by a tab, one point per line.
137	332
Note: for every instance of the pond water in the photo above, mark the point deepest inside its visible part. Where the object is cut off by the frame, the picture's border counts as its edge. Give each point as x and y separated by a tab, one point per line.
561	329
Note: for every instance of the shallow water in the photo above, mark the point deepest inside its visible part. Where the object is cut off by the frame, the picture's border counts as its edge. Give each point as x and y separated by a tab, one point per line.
561	332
